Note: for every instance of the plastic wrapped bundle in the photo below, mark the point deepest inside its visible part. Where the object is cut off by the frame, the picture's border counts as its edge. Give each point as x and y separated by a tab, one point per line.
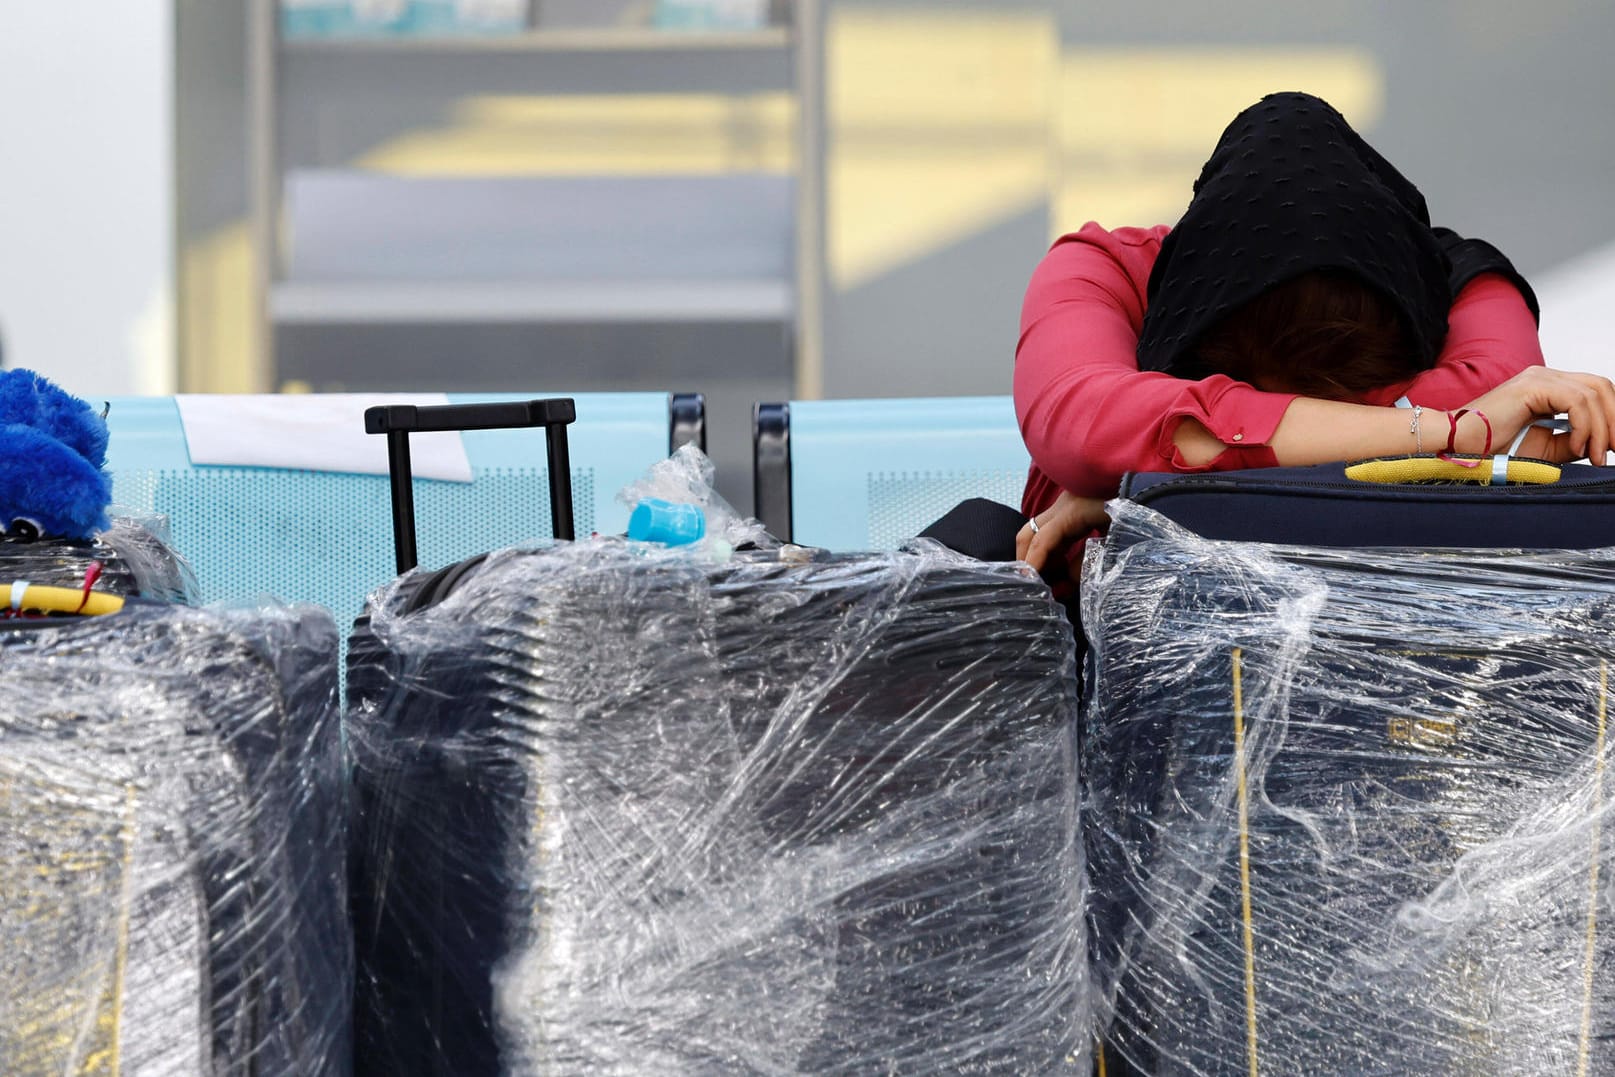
134	560
136	551
1347	807
172	885
627	811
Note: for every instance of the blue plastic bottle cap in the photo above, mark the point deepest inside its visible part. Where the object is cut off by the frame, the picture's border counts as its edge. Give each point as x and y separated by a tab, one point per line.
670	523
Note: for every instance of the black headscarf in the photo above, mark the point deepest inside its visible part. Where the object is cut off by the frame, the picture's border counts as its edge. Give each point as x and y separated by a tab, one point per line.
1292	188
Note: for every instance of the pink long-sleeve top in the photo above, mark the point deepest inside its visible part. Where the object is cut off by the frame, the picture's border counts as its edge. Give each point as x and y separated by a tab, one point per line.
1089	415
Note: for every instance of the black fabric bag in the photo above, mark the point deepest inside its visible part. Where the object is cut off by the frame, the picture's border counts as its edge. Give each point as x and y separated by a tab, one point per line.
978	527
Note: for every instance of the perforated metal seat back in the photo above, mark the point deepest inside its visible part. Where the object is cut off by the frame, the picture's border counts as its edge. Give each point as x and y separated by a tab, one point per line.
326	538
870	474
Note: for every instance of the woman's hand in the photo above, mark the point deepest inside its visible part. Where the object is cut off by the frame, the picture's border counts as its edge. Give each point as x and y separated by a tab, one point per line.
1070	518
1536	392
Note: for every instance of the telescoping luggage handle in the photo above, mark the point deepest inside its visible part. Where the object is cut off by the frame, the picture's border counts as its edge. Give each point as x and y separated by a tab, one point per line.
398	421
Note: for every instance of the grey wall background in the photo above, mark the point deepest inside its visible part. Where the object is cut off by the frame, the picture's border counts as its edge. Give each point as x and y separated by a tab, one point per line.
1500	111
943	323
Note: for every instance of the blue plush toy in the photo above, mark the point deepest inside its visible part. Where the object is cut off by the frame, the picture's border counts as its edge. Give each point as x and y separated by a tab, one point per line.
52	449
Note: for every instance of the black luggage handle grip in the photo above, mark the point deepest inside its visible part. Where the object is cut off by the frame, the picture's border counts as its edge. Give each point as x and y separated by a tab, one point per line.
495	415
398	421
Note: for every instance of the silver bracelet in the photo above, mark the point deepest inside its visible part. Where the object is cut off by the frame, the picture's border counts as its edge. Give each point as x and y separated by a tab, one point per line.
1413	428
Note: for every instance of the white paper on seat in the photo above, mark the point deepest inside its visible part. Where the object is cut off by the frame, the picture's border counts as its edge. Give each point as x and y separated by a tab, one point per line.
316	432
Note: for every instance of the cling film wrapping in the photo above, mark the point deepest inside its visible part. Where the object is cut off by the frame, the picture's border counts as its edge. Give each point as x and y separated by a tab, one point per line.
138	557
172	885
61	920
1346	810
131	557
629	810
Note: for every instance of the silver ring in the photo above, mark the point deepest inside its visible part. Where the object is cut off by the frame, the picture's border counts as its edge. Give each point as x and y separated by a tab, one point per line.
1032	523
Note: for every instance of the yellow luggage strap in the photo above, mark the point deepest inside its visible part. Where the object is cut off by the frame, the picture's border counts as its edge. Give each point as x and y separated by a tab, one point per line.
1401	470
23	596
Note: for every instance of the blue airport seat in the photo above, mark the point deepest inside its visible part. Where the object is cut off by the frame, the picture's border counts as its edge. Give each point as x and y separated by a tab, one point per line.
870	474
326	537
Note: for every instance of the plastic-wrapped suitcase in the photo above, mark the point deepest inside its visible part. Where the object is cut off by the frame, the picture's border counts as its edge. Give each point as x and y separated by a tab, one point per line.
1346	799
623	809
128	558
172	894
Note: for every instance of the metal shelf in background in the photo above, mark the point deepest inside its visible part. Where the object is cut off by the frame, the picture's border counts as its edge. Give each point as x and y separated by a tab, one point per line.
555	39
528	302
278	302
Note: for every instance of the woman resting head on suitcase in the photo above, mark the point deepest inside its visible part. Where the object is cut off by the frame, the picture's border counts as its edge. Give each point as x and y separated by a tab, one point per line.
1302	294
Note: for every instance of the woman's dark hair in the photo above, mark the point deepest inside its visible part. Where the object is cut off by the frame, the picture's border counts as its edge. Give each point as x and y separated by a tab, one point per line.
1323	334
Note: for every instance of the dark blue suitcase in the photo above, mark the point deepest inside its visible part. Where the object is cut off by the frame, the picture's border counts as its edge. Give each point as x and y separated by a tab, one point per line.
1400	501
1401	708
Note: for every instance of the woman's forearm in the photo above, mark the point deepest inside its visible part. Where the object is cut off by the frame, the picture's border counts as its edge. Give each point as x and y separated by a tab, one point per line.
1319	431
